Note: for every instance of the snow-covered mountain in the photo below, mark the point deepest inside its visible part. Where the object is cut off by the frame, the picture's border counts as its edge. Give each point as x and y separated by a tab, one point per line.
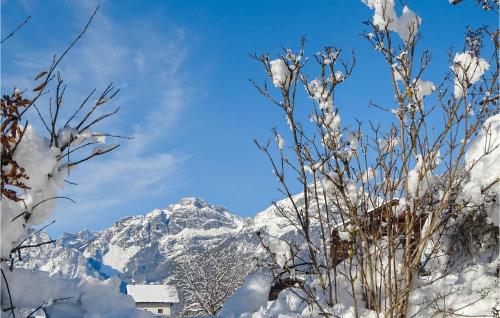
145	248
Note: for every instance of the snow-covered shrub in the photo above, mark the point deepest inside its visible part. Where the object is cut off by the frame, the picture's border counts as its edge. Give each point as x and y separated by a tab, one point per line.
34	169
384	212
207	281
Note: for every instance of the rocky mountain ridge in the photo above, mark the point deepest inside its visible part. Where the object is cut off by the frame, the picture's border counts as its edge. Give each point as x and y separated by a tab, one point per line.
145	248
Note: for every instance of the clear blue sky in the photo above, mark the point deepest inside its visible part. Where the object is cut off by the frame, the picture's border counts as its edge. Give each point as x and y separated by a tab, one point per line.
183	69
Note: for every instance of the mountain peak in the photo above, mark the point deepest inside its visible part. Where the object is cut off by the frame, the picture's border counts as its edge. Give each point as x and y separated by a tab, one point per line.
146	247
194	201
194	204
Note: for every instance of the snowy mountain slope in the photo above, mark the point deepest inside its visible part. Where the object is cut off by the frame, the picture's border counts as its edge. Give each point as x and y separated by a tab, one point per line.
145	248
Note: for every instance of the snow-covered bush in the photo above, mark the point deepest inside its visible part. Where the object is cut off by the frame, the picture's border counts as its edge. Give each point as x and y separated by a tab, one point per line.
34	170
381	210
207	281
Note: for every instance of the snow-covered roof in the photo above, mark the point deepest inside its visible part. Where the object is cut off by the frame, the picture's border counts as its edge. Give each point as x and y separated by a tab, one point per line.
153	293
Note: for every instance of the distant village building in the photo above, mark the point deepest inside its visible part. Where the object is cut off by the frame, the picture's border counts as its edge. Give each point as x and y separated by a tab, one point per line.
157	299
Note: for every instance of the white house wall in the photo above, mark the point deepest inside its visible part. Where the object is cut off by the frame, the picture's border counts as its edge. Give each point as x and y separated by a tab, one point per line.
153	308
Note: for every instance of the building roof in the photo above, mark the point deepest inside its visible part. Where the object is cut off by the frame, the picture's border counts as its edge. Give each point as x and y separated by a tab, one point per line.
153	293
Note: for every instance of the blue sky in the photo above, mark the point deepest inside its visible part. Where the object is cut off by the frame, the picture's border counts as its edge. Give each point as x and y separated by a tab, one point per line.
183	68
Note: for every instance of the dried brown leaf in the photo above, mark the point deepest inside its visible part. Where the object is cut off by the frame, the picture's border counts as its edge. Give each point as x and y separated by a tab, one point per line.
42	73
39	87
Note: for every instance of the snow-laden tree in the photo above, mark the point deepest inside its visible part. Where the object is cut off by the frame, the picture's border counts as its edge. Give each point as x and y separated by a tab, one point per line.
206	282
384	208
35	167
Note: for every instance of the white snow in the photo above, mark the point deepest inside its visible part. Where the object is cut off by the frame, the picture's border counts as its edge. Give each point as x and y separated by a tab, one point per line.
39	161
407	24
191	233
280	73
422	175
385	17
102	149
332	122
118	257
482	159
466	293
345	236
153	293
339	76
353	141
278	247
397	71
468	69
270	221
85	297
384	14
423	88
327	184
66	134
320	94
307	169
281	141
250	297
69	135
